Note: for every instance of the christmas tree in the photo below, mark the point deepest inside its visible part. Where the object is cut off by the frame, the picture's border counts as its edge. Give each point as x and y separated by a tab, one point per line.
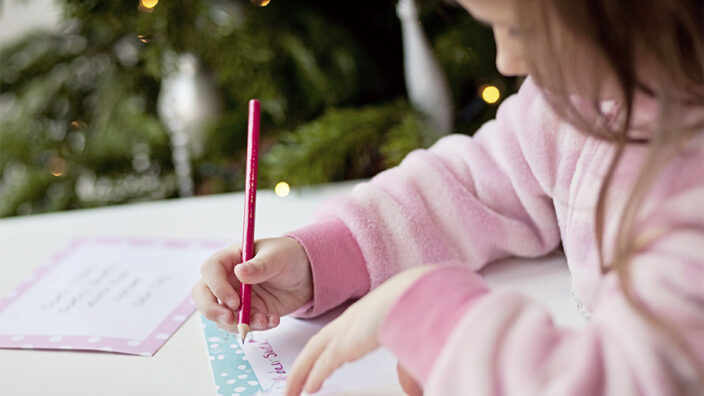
104	110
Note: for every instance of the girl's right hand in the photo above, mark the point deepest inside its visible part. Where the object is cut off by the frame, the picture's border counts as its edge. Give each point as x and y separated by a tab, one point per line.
280	276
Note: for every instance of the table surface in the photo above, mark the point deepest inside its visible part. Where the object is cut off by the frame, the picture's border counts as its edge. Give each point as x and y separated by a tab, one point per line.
181	366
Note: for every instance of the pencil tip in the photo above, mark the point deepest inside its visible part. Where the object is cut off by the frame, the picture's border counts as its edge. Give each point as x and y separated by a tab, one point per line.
243	329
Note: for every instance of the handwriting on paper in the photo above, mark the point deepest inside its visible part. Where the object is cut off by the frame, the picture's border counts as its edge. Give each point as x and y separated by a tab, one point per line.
118	288
267	364
271	354
105	282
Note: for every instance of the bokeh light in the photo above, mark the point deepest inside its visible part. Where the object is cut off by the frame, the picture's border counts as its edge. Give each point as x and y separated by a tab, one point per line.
261	3
490	94
78	124
282	189
148	4
57	166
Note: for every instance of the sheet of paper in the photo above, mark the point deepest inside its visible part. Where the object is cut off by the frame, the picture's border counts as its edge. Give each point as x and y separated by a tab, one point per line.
112	294
269	355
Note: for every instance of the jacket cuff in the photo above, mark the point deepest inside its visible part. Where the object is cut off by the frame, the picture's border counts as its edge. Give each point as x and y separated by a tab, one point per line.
422	319
337	264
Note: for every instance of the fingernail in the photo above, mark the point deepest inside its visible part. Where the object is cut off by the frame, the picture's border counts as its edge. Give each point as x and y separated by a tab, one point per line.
223	319
270	319
257	323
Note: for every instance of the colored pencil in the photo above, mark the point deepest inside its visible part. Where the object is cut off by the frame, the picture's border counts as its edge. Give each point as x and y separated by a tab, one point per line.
250	192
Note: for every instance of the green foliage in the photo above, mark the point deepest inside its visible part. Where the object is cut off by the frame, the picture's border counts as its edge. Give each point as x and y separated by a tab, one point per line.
466	52
78	107
69	111
84	99
347	143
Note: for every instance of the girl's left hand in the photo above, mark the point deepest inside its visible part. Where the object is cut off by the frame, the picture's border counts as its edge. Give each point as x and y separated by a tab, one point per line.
349	337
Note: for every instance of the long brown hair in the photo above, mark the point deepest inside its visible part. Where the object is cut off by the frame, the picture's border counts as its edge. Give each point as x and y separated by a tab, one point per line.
623	36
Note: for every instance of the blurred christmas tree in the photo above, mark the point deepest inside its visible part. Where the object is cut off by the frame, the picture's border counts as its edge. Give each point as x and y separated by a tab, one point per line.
105	110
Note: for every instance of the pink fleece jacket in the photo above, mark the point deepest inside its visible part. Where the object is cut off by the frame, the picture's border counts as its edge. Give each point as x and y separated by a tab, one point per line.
524	183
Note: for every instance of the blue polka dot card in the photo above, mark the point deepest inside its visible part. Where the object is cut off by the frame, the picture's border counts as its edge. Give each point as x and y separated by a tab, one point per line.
262	364
231	369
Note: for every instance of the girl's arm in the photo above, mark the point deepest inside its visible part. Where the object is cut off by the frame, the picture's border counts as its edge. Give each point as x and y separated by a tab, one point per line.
466	199
502	343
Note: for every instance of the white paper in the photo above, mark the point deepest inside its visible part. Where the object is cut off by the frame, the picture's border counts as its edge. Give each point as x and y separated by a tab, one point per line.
102	290
271	354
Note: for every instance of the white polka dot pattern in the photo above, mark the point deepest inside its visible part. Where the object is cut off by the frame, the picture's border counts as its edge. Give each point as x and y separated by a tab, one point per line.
231	371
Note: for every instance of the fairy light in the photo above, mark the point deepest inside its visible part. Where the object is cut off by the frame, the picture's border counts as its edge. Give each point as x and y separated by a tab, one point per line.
57	166
490	94
282	189
261	3
78	124
148	4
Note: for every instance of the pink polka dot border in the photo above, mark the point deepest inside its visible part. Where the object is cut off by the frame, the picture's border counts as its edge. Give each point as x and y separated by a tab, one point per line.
142	347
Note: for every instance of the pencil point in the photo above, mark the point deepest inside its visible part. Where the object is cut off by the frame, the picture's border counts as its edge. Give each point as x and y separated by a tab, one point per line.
243	328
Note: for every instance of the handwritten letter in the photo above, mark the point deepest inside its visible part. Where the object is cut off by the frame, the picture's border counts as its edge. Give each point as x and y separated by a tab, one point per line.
271	354
119	295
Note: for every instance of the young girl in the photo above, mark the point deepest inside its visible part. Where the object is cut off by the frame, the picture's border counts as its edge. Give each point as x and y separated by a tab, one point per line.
601	150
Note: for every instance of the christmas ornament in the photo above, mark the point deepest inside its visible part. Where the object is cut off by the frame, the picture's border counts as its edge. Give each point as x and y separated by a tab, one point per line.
426	84
186	105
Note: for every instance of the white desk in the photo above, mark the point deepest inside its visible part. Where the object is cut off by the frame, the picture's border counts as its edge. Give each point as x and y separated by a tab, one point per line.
182	367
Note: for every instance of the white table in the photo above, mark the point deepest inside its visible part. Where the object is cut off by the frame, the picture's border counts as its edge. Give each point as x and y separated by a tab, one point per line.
182	367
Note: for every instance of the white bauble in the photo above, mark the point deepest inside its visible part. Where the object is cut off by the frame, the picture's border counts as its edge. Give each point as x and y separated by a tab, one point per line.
427	86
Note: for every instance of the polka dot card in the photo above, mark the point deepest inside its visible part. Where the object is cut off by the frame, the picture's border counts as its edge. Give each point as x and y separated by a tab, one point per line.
121	295
232	372
261	365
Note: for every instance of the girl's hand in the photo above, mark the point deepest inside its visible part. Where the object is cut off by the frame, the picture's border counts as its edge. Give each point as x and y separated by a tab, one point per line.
349	337
408	383
280	276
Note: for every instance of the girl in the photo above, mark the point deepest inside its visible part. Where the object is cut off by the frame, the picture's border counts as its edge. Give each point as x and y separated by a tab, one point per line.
601	150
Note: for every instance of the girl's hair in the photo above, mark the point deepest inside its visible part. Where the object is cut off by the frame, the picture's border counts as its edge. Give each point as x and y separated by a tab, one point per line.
651	48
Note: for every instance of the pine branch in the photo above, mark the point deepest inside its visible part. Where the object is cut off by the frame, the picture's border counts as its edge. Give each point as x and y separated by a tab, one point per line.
346	143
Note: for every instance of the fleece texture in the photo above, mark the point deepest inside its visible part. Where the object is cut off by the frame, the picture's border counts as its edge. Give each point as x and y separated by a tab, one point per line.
525	183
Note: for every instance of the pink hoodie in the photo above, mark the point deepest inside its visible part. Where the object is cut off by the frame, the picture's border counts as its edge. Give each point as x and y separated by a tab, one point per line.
524	183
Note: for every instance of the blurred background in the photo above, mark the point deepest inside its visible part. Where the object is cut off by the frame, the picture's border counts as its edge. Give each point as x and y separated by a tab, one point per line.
107	102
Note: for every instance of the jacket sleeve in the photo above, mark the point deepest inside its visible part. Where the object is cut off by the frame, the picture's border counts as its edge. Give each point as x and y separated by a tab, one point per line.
502	343
465	199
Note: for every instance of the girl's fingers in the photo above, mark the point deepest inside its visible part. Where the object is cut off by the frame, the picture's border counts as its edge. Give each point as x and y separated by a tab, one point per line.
408	383
273	320
303	363
258	321
226	318
227	257
263	320
327	362
207	304
216	271
231	320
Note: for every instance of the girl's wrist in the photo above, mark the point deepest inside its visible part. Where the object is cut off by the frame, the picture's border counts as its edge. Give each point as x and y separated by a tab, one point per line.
422	318
338	270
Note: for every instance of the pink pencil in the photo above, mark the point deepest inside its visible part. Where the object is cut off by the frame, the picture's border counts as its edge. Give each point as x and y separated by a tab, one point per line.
250	192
